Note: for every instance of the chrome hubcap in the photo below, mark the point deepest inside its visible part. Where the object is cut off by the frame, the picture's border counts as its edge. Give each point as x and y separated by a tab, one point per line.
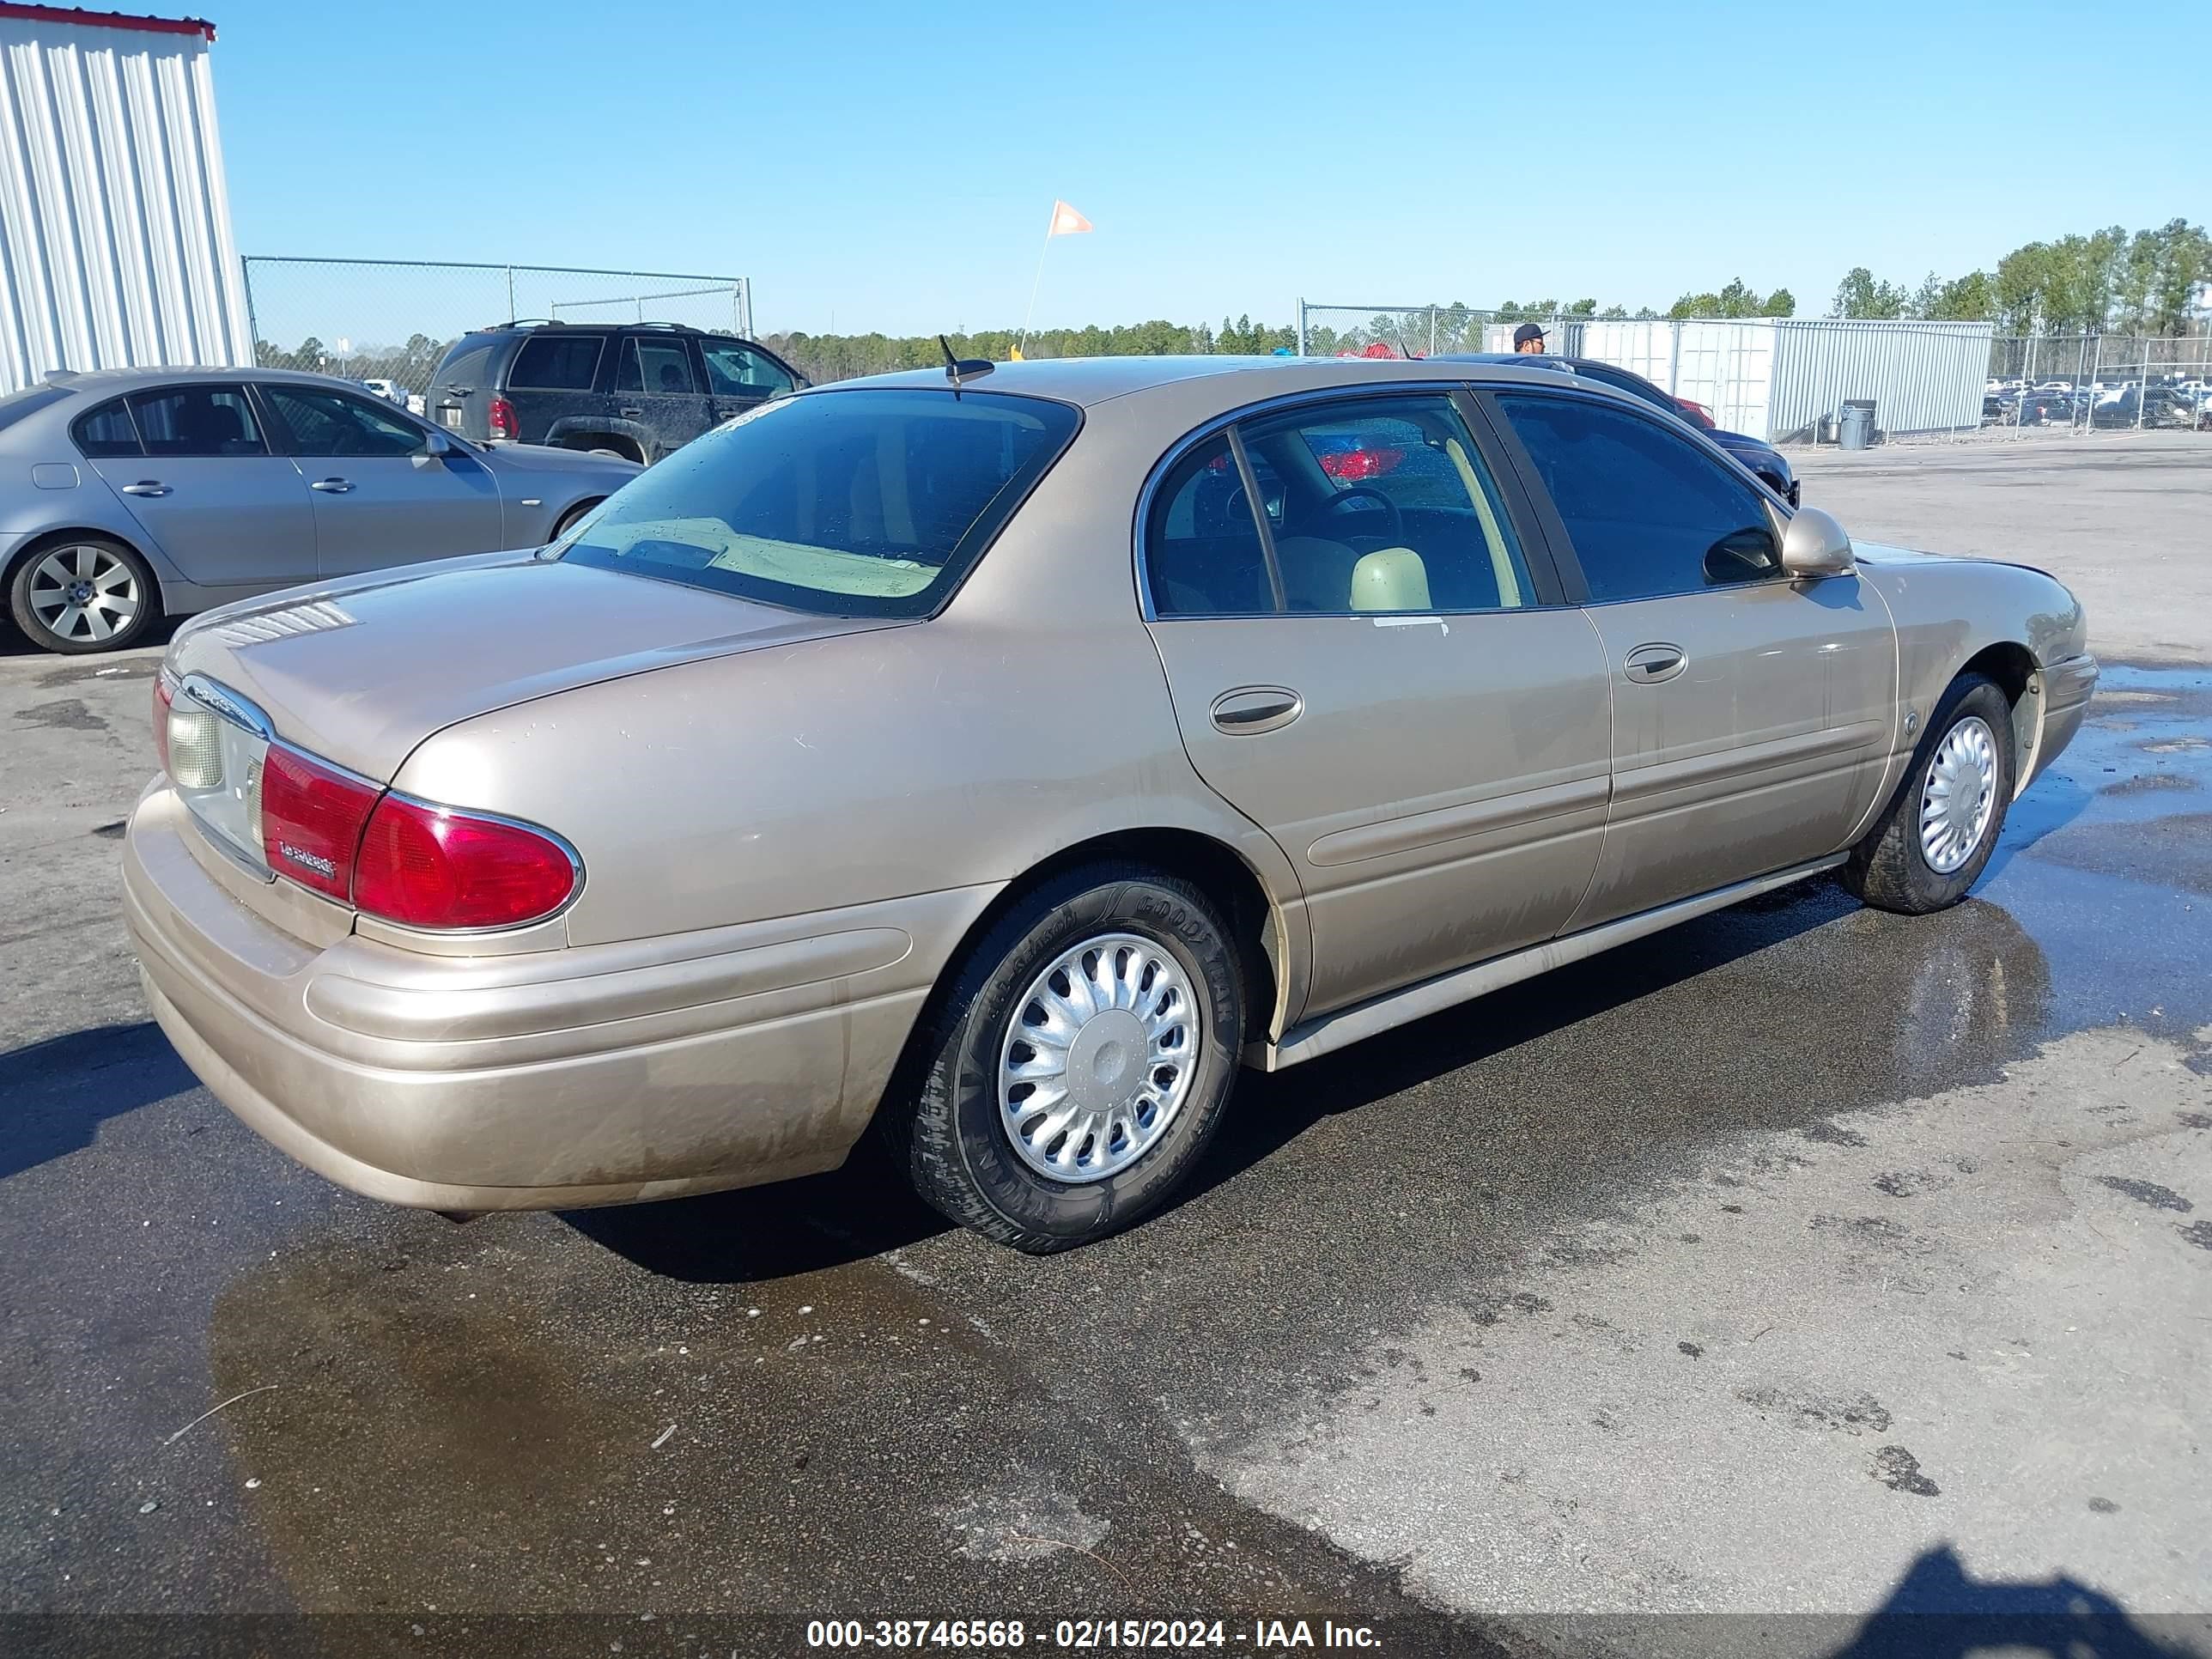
84	593
1098	1058
1959	796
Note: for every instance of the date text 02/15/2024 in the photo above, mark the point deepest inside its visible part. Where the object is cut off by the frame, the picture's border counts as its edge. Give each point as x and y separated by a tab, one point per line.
1009	1635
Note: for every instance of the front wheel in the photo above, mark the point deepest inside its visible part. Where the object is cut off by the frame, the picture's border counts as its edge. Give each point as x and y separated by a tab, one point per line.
1936	837
1078	1061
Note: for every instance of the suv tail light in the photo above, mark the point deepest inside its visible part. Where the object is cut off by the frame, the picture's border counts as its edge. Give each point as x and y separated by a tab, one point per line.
424	865
311	820
502	423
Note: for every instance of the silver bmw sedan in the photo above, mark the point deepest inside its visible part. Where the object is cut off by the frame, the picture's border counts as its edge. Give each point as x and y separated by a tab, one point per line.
126	495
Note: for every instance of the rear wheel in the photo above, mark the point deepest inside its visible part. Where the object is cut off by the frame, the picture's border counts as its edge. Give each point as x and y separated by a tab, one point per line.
1934	840
84	593
1079	1060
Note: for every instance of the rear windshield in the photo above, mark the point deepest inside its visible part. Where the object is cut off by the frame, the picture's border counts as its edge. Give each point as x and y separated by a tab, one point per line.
871	503
464	366
29	401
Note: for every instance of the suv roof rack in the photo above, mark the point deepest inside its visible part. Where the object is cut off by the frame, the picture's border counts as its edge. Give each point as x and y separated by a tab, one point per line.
566	322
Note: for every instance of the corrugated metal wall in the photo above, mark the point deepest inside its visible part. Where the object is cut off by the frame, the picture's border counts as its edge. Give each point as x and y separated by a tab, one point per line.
1923	377
115	239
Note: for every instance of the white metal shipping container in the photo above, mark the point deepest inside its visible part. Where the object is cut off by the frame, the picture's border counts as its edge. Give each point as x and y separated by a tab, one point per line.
115	241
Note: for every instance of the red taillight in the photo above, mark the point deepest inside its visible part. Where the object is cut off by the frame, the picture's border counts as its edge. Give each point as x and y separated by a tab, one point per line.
164	694
429	866
1352	464
311	820
502	422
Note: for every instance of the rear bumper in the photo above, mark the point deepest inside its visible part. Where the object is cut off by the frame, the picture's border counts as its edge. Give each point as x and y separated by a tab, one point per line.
586	1075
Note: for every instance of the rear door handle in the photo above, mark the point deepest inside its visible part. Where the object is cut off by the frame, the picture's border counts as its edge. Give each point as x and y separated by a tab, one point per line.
332	486
1249	710
633	413
1648	664
146	487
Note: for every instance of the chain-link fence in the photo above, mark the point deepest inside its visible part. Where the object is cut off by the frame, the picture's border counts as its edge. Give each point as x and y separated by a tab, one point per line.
391	319
2073	382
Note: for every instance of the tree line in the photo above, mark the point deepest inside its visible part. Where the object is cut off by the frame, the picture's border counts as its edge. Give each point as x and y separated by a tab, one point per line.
2105	280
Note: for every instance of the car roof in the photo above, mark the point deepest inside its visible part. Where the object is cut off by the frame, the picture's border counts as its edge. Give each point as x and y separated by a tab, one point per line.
106	382
1090	380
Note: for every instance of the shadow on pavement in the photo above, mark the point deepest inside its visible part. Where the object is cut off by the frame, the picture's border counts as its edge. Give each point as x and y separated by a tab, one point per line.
64	1088
1939	1611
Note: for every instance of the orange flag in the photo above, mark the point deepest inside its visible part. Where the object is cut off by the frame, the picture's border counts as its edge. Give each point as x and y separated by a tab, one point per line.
1065	221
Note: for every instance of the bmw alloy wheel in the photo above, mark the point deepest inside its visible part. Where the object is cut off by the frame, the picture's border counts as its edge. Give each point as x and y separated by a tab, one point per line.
84	593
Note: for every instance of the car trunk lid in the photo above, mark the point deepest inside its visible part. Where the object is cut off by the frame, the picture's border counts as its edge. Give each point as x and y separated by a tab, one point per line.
359	673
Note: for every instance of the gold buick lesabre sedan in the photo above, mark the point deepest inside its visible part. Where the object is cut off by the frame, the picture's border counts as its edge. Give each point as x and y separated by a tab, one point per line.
1001	759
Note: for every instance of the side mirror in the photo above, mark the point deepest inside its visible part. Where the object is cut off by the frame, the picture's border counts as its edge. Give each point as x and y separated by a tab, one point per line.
437	445
1815	545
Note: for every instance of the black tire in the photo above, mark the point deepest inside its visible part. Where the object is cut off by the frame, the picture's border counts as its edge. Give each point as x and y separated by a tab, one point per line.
27	575
1889	869
947	1131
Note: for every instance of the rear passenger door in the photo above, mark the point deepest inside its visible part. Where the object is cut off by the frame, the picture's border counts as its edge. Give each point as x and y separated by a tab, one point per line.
196	471
1370	667
658	385
1752	714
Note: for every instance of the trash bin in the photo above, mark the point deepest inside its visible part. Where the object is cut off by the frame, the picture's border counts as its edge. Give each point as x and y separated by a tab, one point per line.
1856	431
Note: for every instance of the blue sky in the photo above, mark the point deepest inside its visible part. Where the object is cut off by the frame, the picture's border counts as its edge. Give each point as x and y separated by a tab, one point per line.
892	166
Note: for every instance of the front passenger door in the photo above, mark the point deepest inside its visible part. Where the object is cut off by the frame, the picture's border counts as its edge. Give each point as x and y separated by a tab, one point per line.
1752	714
1370	670
740	375
380	497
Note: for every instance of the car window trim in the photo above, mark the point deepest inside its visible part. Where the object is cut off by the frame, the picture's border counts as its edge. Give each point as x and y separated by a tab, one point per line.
246	392
1544	577
1554	527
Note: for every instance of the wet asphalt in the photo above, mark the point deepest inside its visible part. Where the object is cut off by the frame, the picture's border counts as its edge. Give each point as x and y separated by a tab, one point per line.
693	1427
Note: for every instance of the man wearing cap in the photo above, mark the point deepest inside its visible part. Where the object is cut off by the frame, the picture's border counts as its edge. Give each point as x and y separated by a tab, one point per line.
1529	340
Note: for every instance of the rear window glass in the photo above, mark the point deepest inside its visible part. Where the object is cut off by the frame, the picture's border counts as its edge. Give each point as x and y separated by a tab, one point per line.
845	504
29	401
464	366
557	362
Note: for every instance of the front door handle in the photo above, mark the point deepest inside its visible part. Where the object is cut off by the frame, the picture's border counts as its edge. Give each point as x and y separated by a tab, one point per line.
146	487
1648	664
632	413
332	486
1249	710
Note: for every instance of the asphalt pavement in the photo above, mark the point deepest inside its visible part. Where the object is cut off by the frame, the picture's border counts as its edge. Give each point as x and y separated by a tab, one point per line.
1793	1282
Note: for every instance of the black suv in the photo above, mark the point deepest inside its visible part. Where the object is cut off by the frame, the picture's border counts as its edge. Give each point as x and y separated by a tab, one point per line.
636	390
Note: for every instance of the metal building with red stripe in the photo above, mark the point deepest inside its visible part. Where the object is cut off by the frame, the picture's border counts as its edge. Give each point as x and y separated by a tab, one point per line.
115	241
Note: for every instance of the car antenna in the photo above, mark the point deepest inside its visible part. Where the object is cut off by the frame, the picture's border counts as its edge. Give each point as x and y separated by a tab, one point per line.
957	370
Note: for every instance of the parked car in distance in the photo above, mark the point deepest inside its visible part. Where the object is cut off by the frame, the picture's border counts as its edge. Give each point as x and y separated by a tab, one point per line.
1760	459
129	493
919	753
387	390
2159	405
635	390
